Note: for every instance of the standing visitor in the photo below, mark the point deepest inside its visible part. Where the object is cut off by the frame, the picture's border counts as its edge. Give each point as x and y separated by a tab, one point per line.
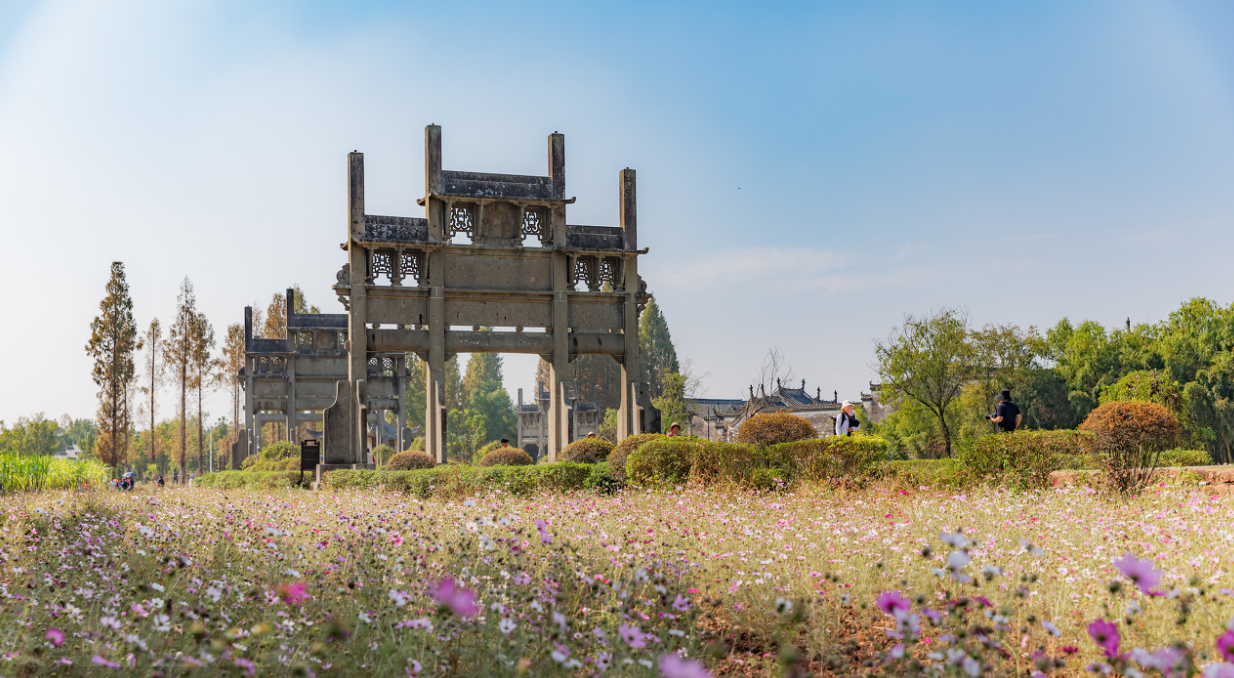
847	422
1007	417
674	430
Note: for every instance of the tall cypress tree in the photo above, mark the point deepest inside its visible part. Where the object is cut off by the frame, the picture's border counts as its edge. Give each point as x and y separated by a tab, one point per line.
113	339
200	363
154	373
659	357
178	355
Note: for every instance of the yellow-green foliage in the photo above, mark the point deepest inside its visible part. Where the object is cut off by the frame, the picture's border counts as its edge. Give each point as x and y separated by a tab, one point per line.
382	454
282	456
770	428
1024	458
411	459
507	456
618	456
673	461
587	451
483	451
31	473
1182	457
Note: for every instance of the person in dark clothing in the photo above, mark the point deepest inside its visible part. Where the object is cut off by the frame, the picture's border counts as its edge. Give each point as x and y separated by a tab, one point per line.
1007	416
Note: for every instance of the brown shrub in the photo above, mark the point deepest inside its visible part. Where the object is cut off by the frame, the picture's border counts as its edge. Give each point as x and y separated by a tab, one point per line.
1129	437
771	428
409	460
586	451
506	456
618	456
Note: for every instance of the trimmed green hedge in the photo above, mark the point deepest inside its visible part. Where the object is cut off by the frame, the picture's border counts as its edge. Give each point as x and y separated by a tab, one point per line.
1024	458
254	480
452	480
675	461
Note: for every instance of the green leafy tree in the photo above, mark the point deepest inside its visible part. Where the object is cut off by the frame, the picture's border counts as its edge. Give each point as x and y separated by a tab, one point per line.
929	360
113	340
417	393
79	432
672	401
31	436
659	356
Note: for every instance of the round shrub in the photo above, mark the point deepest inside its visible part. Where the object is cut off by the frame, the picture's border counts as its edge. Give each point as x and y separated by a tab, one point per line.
587	451
506	456
1128	436
479	455
618	456
770	428
1129	425
663	462
410	460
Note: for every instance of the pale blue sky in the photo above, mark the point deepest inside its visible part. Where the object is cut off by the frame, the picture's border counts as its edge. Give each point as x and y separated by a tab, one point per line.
808	172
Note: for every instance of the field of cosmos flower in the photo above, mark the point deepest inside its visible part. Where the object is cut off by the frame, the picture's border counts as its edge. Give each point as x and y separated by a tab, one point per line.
682	583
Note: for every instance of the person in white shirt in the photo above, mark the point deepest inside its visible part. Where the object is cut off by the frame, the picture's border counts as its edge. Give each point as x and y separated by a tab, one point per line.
846	421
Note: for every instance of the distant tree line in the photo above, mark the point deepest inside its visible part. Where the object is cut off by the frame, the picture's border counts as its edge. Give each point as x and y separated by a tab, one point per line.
943	376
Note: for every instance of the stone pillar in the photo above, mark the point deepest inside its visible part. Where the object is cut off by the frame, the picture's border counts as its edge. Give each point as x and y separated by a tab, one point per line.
519	419
559	362
292	418
357	320
251	428
400	383
434	279
628	416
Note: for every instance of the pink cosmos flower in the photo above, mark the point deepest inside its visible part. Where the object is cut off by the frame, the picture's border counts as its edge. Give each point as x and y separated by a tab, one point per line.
1105	634
673	666
1225	645
248	666
460	601
98	659
890	601
396	539
632	635
1221	670
293	593
545	537
56	636
1140	572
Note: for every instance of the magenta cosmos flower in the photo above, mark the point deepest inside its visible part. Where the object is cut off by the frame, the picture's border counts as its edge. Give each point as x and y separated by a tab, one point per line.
56	636
1225	645
1140	572
1105	634
890	601
460	601
673	666
293	593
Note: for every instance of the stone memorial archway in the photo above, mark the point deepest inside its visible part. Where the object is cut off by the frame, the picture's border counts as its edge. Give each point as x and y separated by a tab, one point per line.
492	251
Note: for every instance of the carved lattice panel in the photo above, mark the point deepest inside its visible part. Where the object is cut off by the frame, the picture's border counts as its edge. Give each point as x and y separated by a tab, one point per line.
535	225
462	221
383	264
608	271
410	265
304	341
581	271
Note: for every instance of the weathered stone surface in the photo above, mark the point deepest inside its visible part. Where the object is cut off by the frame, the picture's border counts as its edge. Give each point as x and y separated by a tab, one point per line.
492	250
